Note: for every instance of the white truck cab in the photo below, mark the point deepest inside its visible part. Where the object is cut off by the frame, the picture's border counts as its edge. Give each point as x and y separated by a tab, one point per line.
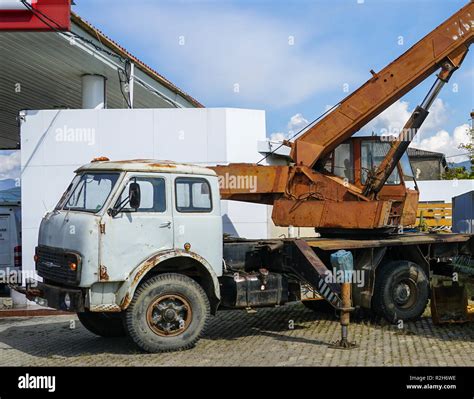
139	223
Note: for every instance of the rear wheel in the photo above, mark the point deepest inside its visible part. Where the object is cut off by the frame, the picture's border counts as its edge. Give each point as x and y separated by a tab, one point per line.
103	324
168	312
401	291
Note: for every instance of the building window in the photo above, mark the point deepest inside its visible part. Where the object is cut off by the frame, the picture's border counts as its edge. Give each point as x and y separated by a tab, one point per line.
193	195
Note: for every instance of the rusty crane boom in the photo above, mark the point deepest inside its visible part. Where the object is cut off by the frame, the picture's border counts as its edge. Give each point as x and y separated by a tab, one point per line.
309	193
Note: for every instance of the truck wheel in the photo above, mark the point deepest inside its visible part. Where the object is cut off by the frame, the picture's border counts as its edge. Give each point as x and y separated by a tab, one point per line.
103	324
319	306
169	312
401	291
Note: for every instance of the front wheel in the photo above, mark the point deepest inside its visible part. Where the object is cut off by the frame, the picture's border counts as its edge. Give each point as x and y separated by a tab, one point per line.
168	312
401	291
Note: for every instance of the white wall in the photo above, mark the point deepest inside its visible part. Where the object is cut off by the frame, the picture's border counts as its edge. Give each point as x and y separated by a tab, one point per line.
443	190
55	142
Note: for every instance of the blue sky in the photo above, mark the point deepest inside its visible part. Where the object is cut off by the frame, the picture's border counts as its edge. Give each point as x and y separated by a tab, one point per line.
290	58
293	59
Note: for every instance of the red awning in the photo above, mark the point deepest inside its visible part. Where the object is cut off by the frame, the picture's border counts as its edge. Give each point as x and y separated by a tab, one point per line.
35	15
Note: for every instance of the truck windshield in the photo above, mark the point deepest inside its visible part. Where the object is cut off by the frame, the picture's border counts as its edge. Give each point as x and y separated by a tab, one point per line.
88	192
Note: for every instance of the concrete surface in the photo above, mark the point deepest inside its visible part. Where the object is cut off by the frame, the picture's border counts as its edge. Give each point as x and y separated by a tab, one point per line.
236	338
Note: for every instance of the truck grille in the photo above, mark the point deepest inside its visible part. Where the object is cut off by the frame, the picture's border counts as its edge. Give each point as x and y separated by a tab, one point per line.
54	264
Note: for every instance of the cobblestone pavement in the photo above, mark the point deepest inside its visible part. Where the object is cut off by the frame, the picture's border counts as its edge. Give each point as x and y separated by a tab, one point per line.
236	338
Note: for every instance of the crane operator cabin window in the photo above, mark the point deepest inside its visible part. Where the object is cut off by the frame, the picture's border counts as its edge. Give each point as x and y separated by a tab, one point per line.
372	154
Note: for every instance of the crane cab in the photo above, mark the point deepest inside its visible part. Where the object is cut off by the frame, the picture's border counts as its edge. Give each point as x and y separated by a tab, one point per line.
357	157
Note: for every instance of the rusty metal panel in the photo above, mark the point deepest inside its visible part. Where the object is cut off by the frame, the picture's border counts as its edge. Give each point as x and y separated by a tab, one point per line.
241	178
396	240
326	214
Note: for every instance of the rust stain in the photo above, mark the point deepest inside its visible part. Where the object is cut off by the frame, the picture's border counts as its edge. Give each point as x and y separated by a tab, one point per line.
143	270
125	301
163	165
103	276
106	308
150	162
100	159
150	264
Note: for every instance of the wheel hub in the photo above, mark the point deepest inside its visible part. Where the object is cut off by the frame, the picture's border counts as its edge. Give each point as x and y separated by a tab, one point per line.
404	293
169	315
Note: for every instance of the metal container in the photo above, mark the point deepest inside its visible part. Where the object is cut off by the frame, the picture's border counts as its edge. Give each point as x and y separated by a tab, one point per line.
463	213
243	290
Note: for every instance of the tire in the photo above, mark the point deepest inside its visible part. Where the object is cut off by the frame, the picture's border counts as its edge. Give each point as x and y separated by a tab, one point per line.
401	291
169	312
319	306
106	325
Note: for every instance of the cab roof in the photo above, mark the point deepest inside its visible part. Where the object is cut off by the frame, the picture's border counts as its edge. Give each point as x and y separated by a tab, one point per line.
146	165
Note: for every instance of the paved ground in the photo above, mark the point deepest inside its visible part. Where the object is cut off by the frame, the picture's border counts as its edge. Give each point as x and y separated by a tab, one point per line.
237	338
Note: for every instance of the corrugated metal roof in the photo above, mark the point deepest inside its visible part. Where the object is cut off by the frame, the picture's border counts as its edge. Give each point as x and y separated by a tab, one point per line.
416	152
112	45
42	70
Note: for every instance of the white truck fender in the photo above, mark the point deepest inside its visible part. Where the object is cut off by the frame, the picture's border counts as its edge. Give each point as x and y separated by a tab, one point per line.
127	290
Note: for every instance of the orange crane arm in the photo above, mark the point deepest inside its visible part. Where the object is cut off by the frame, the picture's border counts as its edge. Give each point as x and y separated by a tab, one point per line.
304	194
447	43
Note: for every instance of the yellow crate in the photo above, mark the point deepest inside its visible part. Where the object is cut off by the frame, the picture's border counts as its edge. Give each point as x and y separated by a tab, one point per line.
435	215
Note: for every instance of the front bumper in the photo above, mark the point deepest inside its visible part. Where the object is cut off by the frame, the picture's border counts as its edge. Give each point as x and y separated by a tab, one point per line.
61	298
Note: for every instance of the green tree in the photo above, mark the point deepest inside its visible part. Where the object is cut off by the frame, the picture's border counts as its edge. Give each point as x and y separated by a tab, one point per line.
461	172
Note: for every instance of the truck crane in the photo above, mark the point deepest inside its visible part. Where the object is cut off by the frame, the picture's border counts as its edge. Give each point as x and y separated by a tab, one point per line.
306	194
148	259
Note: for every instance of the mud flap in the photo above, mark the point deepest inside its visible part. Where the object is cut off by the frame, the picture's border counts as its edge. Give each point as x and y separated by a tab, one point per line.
449	303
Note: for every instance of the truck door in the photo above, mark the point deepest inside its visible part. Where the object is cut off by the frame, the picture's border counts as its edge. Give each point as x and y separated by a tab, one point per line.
6	250
132	236
197	218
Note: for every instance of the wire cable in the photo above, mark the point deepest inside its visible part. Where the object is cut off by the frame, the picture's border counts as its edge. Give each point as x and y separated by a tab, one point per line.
300	131
48	21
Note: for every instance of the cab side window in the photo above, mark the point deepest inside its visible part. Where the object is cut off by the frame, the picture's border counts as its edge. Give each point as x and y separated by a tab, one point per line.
372	154
340	163
153	194
193	195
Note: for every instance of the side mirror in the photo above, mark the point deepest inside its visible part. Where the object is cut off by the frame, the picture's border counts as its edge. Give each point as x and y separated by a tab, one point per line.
134	195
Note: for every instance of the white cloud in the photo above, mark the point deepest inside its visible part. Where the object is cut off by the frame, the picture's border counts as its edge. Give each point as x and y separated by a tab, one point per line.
393	119
234	53
431	136
296	123
278	136
448	144
10	165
